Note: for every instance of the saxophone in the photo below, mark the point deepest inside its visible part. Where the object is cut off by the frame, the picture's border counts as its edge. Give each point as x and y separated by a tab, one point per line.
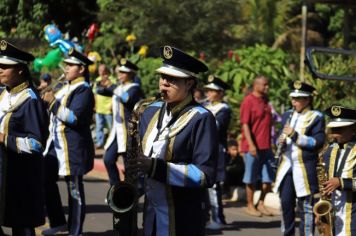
123	197
323	208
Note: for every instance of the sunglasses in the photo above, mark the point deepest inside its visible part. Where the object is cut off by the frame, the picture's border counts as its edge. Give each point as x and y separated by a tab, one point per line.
171	79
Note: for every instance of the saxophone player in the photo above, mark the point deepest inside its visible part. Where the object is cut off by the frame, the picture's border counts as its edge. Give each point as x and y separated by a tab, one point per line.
340	163
296	176
180	147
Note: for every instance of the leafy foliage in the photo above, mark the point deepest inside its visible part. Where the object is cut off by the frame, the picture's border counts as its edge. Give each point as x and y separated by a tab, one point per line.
334	92
179	23
26	18
208	26
256	60
22	19
148	75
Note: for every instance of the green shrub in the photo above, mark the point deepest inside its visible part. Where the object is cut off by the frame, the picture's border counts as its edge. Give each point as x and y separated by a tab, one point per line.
148	75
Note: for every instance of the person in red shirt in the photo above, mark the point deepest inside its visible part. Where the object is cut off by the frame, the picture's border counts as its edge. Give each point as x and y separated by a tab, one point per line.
256	122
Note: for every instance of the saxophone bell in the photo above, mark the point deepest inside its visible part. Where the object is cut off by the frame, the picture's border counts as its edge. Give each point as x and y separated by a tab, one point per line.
122	197
322	208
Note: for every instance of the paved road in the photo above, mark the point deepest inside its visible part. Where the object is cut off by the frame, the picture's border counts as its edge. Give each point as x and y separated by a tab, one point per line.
99	219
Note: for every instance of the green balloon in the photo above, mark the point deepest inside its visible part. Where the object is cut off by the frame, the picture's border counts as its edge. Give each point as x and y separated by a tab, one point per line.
51	60
38	64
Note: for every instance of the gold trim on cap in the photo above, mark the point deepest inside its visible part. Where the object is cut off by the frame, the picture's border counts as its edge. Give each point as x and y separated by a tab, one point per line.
297	84
210	78
3	45
123	61
336	110
167	52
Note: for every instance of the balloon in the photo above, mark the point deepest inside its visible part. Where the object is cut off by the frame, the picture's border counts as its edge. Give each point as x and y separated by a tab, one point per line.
55	38
38	64
52	33
51	60
95	57
64	45
93	30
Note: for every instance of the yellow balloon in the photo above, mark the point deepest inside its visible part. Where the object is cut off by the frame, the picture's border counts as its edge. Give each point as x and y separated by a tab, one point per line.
95	57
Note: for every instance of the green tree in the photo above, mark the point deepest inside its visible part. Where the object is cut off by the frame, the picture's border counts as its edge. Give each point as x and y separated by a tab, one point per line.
194	25
22	19
258	24
275	64
26	18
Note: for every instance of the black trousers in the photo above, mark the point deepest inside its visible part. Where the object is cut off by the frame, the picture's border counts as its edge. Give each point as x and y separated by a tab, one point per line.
110	158
53	202
76	204
305	205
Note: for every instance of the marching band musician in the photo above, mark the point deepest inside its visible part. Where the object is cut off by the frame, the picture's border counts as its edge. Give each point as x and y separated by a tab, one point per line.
215	91
125	96
179	145
296	176
340	163
71	110
23	134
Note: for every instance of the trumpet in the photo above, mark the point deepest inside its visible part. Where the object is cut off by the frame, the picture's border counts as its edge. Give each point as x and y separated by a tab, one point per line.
53	84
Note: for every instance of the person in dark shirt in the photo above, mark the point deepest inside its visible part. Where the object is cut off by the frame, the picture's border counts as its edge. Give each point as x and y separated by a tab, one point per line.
235	167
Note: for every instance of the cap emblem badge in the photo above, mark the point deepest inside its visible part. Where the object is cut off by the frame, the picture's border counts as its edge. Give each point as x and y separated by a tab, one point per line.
3	45
70	51
210	78
167	52
123	61
336	110
297	84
